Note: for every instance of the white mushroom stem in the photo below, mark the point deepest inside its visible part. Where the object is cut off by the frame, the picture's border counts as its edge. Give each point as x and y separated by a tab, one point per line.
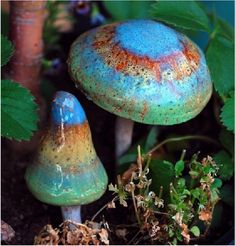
123	135
71	213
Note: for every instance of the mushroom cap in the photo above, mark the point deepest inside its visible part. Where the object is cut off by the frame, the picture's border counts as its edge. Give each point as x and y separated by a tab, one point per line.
141	70
67	170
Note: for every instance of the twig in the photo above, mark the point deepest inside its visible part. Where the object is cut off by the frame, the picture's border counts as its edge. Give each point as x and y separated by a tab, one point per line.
101	209
134	203
157	212
177	139
136	235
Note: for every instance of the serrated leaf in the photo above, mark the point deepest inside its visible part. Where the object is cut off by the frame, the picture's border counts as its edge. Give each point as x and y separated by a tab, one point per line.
162	174
151	138
220	60
225	165
195	230
227	140
123	10
18	111
227	114
183	14
179	167
6	50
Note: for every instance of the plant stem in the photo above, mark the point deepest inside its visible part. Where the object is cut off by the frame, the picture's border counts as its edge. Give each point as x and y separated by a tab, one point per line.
183	155
134	203
101	209
177	139
136	235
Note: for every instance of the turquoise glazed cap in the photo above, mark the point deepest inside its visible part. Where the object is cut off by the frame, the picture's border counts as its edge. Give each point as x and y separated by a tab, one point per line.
141	70
67	170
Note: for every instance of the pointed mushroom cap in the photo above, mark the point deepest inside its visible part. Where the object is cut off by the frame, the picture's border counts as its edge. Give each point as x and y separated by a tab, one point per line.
142	70
67	170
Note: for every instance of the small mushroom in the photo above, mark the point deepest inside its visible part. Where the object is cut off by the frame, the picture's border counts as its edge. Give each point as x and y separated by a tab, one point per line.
67	171
143	71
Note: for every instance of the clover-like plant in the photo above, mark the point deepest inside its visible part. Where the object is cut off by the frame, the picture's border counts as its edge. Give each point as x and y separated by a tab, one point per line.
178	212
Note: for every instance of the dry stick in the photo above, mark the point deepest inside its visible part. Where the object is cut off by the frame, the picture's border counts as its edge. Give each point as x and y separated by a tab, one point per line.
101	209
132	240
188	137
26	27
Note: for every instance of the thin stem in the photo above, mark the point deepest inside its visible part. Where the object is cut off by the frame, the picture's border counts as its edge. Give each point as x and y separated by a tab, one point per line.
157	212
177	139
101	209
183	155
134	225
134	203
139	159
136	235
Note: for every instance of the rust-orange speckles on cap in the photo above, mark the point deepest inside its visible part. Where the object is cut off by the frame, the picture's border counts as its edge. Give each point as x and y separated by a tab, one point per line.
67	170
145	64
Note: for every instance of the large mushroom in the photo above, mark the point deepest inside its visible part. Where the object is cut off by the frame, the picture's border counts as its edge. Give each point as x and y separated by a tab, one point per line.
67	171
143	71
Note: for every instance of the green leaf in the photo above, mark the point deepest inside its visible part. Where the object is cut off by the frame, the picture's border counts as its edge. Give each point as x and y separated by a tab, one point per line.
220	60
214	196
226	138
6	50
193	174
195	230
123	10
196	193
216	184
225	29
162	174
183	14
127	158
179	167
227	114
18	111
151	138
225	165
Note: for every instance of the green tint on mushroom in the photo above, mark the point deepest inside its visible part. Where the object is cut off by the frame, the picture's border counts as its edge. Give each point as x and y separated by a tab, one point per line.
67	171
141	70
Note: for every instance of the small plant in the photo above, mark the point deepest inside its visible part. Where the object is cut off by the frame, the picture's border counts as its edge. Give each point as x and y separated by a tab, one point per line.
188	200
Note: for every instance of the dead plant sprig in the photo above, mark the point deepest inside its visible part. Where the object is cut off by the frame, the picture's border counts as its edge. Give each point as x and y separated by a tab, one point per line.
175	219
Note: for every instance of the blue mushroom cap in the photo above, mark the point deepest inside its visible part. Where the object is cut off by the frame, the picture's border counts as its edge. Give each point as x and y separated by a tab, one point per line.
67	110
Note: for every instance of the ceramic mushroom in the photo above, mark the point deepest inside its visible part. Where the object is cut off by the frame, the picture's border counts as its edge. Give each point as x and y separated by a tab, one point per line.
67	171
143	71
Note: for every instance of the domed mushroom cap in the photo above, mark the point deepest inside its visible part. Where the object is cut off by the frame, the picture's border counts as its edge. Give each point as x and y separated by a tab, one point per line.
142	70
67	170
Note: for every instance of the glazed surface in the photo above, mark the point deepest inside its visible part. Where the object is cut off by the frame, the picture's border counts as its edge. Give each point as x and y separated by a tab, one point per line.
142	70
67	170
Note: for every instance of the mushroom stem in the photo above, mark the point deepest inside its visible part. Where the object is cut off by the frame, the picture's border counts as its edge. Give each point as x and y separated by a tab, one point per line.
71	213
123	135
